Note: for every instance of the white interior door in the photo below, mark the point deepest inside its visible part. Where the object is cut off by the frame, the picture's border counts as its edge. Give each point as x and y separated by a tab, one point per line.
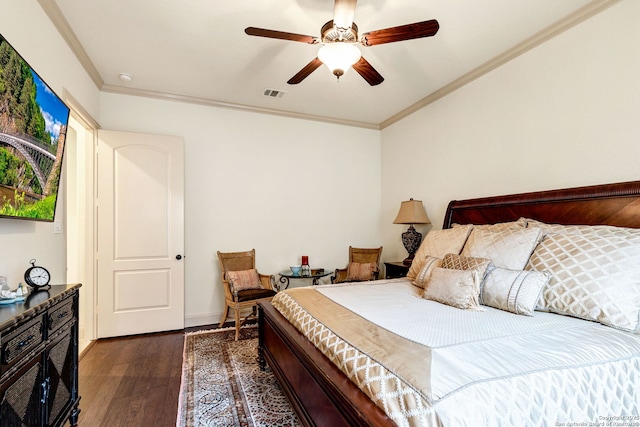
140	211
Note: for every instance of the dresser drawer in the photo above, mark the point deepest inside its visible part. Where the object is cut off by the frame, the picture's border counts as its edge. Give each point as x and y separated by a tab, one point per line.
21	341
60	314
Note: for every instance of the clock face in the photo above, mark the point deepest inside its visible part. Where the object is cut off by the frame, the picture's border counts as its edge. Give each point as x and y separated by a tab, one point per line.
39	276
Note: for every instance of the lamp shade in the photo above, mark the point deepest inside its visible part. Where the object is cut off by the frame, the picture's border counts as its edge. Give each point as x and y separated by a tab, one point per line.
339	56
412	212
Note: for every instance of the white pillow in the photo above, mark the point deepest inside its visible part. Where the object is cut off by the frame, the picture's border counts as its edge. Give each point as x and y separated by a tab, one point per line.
516	291
510	248
457	288
595	274
438	243
501	226
429	265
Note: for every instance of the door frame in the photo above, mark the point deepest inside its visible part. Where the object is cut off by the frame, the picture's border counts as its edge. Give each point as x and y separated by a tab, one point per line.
80	223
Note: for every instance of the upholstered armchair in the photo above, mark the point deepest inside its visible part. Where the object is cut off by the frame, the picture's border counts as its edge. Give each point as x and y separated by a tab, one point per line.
243	285
364	264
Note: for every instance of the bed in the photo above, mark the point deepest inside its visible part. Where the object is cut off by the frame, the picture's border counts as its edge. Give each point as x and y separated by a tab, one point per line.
322	394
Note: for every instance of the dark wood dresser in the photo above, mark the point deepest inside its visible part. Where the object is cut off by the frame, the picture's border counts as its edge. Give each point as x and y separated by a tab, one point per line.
39	359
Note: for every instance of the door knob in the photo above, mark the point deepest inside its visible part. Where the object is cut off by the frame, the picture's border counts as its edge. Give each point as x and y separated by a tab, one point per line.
178	257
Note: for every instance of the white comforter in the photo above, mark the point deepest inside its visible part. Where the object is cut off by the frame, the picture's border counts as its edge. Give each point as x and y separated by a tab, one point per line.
492	368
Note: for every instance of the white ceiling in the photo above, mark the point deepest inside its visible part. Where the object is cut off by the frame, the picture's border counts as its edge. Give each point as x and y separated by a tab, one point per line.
197	50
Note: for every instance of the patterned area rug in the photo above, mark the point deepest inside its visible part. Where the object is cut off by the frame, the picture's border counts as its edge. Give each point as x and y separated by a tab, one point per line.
222	384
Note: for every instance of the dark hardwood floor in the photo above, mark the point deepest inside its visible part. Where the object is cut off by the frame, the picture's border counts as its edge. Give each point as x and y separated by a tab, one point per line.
132	381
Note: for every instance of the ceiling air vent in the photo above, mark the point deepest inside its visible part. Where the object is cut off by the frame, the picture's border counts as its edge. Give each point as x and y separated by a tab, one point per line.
272	93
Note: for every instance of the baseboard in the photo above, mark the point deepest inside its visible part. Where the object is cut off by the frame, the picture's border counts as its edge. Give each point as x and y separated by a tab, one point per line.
196	320
201	319
84	348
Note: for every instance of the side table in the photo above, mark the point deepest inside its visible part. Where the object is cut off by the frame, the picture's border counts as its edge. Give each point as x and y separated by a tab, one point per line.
315	275
395	269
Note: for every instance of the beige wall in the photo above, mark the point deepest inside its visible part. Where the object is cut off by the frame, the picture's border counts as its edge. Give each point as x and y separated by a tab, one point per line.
26	27
564	114
285	187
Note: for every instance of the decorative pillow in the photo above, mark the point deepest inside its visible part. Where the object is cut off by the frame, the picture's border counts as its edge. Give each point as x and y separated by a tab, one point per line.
430	264
243	279
501	226
549	228
595	274
438	243
459	262
457	288
510	248
513	290
357	272
585	230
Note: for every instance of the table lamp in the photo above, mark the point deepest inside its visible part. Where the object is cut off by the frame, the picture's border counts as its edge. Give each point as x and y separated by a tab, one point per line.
411	212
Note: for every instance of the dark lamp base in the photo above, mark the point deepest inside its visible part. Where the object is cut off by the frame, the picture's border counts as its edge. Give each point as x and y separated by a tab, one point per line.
411	240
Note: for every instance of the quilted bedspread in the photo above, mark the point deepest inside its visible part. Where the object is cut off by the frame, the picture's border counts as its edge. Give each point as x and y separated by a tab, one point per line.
428	364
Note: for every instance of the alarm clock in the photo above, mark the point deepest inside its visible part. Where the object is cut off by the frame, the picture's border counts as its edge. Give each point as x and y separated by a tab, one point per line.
36	276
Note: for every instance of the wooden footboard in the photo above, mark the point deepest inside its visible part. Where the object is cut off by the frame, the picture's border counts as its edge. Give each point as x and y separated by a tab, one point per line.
318	391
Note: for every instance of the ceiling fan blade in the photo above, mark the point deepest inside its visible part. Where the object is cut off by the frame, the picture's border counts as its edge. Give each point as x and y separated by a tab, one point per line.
367	72
402	32
273	34
308	69
343	11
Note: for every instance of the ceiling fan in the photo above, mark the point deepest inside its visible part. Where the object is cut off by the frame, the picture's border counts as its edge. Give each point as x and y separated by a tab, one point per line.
339	38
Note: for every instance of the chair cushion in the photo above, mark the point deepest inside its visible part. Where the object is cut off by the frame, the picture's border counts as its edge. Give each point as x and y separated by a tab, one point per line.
251	294
357	272
243	279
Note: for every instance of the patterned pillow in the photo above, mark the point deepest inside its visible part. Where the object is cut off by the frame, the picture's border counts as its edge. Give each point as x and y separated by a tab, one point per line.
513	290
457	288
549	228
510	248
584	230
595	274
438	243
501	226
357	272
243	279
459	262
429	265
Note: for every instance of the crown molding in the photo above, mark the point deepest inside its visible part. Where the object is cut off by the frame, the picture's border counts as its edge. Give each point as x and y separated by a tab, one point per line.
213	103
591	9
55	15
78	111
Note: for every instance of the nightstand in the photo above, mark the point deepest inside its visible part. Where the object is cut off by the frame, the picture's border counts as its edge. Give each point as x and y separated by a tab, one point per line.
394	269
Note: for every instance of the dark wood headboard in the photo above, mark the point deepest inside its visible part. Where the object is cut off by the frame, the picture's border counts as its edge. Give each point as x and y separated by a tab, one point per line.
609	204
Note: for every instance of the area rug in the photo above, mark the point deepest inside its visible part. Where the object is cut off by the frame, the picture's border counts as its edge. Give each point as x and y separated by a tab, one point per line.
222	384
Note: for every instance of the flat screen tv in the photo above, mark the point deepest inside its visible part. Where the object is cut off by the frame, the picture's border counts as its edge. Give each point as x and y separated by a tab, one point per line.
33	126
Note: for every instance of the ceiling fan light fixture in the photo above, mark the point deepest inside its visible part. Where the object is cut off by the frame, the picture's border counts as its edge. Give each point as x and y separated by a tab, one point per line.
339	57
